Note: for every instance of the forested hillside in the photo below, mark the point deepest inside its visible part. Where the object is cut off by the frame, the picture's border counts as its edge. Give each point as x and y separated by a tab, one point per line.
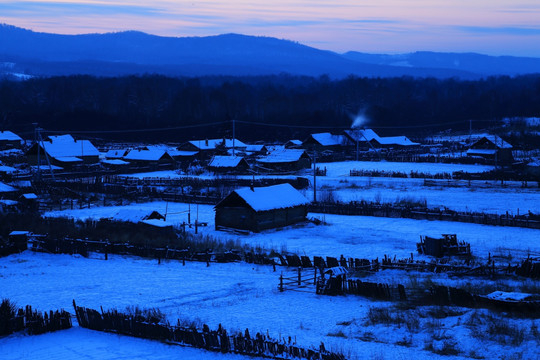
300	104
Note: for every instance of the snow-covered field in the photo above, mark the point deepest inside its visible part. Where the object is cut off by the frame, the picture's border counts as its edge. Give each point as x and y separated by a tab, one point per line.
79	343
488	197
238	296
354	236
241	296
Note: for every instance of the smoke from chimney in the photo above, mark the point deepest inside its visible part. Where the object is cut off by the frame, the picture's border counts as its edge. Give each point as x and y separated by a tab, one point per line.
359	119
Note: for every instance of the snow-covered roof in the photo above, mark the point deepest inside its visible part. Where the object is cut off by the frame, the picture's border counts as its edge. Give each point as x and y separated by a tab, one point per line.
68	159
225	161
9	136
114	162
283	156
181	153
116	153
7	169
6	188
29	196
132	214
496	140
19	232
295	142
254	147
46	167
328	139
272	197
156	223
396	140
508	296
152	154
66	146
211	144
362	135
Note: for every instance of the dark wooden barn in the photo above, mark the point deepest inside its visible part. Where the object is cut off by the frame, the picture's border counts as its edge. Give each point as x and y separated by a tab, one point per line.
257	209
493	149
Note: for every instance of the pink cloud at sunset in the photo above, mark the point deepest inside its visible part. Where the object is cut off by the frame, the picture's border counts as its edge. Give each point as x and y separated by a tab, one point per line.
497	27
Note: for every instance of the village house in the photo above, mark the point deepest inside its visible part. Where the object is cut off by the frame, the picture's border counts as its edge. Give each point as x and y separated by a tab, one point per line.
362	137
257	209
326	141
492	149
8	192
63	151
151	157
293	144
398	142
220	164
209	147
256	150
116	154
328	147
9	140
287	160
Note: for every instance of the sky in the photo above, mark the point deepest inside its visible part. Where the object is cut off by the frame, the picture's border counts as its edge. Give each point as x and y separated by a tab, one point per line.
493	27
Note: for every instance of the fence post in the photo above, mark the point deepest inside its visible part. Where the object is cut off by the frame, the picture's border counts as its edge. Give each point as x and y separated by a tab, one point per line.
281	283
299	276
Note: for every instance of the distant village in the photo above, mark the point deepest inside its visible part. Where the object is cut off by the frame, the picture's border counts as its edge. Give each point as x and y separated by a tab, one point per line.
65	159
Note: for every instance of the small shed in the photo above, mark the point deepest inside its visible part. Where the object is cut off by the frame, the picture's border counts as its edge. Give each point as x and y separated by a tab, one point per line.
293	144
9	140
256	149
286	160
261	208
228	164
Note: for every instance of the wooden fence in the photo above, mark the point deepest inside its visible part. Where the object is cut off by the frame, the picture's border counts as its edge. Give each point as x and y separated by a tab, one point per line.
529	267
34	322
218	340
365	208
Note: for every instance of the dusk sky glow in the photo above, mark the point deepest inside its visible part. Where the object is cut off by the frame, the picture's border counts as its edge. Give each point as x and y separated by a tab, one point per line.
494	27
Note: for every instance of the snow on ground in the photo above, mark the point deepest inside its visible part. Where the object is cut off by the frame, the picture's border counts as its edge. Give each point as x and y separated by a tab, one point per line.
352	236
79	343
483	196
493	201
237	295
343	168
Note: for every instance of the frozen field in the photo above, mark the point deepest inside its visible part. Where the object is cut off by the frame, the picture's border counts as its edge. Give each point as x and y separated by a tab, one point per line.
238	296
490	198
354	236
78	343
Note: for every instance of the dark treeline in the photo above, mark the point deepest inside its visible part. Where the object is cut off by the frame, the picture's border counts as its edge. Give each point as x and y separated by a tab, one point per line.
143	102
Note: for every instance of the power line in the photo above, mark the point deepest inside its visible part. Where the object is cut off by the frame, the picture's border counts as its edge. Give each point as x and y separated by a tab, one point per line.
252	123
133	130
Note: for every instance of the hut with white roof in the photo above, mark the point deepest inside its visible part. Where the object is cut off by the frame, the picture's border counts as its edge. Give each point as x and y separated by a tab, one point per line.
261	208
64	151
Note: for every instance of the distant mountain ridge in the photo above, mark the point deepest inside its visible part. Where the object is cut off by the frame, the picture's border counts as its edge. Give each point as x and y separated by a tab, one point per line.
113	54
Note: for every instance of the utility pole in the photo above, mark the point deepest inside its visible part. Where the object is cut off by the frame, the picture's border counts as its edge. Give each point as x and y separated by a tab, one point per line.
36	137
314	176
233	135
